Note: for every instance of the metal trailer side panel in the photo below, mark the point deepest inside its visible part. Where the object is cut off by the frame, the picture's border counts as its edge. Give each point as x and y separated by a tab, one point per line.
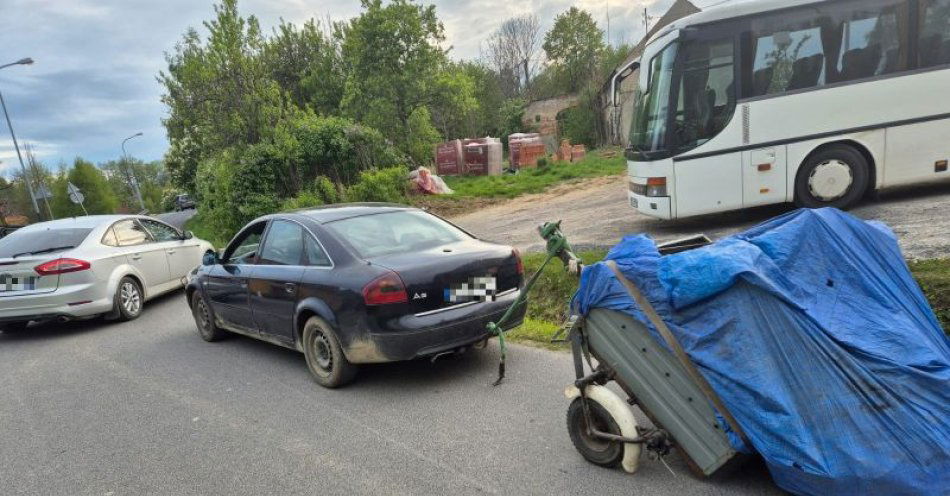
660	385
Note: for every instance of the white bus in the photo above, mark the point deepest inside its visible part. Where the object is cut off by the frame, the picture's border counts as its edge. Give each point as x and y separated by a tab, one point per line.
812	102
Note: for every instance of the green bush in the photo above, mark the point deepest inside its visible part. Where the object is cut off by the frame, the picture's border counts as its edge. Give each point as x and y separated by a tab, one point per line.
321	193
336	148
168	199
579	124
384	185
311	161
422	136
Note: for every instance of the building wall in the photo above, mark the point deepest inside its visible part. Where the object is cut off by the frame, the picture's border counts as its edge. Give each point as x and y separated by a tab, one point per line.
541	115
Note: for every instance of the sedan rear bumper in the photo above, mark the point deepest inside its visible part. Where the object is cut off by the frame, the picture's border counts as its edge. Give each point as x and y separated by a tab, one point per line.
431	335
74	302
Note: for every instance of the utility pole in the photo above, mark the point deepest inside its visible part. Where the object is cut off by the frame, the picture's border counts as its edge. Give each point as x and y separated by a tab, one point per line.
26	176
646	22
130	176
41	186
608	21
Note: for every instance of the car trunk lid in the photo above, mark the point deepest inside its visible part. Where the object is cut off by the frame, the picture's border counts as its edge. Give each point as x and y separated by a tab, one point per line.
462	269
18	277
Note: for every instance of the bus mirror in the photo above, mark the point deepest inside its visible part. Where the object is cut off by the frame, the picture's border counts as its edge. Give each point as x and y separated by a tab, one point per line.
621	74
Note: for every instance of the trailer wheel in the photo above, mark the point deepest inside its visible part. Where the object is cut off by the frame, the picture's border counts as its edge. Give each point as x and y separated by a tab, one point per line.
596	451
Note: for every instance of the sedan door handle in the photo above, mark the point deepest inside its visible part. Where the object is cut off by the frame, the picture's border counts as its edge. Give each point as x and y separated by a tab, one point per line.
290	287
136	256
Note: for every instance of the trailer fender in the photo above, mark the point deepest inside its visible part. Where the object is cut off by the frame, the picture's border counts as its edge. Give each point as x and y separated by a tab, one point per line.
622	415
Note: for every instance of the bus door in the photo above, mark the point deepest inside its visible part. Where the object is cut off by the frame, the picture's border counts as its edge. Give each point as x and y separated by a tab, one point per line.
763	176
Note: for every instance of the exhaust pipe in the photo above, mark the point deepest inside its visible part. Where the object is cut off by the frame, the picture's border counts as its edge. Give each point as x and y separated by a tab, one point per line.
457	351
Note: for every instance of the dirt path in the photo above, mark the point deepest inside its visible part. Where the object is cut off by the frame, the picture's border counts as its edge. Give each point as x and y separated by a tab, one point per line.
595	214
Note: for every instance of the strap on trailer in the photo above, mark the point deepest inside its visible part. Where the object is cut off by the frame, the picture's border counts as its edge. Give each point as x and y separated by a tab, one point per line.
678	351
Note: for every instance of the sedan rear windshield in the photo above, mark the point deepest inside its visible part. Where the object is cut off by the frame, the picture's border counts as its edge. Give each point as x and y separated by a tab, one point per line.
392	233
28	241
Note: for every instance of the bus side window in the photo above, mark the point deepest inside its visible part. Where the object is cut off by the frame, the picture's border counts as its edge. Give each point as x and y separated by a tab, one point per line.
934	44
837	42
870	42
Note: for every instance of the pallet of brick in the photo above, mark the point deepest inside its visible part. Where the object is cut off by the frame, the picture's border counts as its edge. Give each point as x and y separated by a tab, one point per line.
578	152
449	159
529	155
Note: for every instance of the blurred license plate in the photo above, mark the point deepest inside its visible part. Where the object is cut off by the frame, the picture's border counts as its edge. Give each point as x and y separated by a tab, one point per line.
476	289
11	283
633	203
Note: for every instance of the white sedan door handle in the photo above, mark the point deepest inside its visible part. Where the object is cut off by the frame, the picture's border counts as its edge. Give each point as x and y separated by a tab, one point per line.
136	256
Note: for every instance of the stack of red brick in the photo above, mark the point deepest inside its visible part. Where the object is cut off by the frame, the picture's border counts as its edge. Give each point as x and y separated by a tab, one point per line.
477	156
570	153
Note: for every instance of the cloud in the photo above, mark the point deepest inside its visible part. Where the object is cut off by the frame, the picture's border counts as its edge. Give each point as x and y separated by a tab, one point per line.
94	83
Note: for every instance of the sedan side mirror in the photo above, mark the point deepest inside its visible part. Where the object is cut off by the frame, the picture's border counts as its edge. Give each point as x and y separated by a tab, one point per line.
188	235
210	258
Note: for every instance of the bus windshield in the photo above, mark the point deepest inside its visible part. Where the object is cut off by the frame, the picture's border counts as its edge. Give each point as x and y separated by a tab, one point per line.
690	82
648	132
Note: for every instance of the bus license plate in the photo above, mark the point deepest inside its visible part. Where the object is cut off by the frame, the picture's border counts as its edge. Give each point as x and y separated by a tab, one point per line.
633	203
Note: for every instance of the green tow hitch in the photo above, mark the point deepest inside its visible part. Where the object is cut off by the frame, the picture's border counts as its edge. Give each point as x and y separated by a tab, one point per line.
557	247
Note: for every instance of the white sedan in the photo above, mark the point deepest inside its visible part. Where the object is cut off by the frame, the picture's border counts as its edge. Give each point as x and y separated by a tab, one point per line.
83	267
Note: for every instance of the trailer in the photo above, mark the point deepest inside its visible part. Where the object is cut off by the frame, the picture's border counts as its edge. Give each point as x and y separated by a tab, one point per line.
610	346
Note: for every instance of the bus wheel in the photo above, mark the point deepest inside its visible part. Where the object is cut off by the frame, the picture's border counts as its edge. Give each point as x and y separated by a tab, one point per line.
836	176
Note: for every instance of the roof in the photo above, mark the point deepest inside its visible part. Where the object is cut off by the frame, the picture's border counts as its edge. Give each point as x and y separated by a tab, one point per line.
679	9
85	221
731	10
340	211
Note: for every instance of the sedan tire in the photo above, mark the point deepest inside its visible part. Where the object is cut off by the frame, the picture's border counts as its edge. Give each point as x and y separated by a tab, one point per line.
204	320
128	299
325	359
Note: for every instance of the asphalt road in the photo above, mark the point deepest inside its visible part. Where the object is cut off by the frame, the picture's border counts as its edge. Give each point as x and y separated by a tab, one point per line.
146	407
595	213
177	219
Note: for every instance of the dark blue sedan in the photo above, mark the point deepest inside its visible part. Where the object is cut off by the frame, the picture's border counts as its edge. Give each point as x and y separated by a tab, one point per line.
356	283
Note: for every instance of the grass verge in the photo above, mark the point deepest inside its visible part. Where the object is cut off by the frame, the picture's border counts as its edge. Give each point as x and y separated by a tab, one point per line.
606	162
548	301
473	192
934	278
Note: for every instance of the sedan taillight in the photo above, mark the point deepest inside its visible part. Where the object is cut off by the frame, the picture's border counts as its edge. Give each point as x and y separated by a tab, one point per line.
61	266
519	264
385	290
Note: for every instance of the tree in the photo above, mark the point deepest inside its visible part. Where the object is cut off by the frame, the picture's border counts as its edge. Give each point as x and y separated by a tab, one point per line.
99	197
152	180
513	51
307	64
394	63
218	91
574	46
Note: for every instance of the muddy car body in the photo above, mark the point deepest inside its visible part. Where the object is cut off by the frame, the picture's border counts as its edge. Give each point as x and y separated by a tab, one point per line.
374	283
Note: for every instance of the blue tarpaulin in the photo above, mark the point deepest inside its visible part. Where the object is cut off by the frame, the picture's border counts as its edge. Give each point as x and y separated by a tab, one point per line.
816	337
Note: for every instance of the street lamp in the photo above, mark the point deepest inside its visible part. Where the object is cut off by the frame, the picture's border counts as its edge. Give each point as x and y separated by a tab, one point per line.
26	176
130	176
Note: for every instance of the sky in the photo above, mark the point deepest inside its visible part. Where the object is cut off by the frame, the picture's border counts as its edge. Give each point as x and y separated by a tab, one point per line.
96	61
